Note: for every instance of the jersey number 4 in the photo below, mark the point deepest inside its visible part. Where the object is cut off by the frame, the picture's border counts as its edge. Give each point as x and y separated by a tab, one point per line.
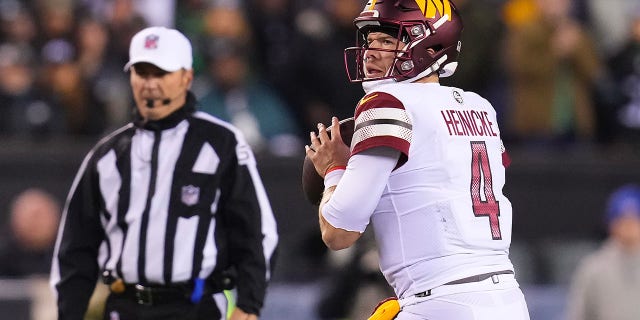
482	197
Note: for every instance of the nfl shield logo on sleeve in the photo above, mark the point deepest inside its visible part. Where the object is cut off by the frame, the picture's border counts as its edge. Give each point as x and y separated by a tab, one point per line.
190	195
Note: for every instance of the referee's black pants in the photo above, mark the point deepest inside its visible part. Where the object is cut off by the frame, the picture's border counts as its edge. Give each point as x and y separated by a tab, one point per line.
119	307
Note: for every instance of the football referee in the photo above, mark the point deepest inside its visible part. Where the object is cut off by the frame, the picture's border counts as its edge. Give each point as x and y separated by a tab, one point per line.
169	210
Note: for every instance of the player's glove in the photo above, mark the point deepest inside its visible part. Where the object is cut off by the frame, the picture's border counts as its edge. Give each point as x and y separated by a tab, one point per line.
386	309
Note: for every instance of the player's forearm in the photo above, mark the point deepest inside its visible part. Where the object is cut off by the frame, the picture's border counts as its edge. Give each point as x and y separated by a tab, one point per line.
334	238
324	225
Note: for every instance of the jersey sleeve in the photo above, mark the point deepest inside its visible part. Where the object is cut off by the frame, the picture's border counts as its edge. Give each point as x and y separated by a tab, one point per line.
252	230
381	120
74	268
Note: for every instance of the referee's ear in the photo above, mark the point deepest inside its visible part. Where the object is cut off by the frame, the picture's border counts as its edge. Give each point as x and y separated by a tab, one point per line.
187	78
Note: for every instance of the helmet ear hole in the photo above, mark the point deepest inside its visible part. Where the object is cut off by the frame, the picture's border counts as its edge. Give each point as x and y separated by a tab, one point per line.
435	49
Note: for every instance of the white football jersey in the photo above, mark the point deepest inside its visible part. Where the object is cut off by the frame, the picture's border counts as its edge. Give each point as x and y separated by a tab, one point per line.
442	215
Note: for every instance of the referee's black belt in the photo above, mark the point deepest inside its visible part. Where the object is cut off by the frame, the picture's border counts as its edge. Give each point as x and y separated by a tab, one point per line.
471	279
162	294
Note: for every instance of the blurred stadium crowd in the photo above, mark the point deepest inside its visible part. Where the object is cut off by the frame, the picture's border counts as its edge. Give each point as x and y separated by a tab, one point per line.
557	71
560	73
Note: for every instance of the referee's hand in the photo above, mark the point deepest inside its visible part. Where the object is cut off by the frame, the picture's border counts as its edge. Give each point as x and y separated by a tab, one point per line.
238	314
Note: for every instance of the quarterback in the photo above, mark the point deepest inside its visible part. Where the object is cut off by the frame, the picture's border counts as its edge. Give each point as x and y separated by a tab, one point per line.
425	168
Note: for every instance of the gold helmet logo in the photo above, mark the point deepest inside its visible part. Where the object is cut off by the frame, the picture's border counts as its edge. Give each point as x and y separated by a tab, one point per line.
428	7
443	7
371	4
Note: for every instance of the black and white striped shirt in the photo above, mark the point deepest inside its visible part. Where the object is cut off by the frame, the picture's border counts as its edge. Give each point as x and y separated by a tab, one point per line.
166	202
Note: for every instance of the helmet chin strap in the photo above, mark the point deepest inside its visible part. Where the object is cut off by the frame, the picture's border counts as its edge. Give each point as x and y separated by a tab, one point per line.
449	69
434	67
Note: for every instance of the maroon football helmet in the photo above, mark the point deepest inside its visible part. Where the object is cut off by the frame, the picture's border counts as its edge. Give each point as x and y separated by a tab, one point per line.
420	25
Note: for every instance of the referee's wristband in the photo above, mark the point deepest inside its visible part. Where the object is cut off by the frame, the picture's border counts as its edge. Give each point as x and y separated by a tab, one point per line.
333	177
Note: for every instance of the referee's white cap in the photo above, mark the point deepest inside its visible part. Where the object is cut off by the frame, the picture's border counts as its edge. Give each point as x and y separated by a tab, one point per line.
168	49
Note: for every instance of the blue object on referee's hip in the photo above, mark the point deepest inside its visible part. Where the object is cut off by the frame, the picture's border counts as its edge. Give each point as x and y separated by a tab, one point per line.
198	290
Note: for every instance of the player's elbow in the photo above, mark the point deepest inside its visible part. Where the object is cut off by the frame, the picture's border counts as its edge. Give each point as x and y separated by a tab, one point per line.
338	239
335	244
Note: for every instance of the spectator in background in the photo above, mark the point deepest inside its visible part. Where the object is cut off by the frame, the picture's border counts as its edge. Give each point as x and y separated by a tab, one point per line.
517	13
606	285
123	22
553	65
33	225
17	25
190	18
27	246
609	21
227	22
24	109
56	20
102	72
625	68
273	27
62	81
221	21
242	98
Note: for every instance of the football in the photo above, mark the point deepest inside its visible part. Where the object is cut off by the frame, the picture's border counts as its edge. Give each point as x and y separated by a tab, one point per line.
312	183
